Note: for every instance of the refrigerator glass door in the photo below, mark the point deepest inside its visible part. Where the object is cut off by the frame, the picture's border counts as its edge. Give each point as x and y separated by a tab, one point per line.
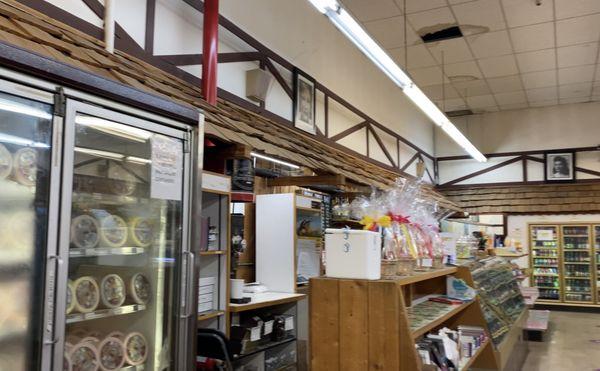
125	240
25	167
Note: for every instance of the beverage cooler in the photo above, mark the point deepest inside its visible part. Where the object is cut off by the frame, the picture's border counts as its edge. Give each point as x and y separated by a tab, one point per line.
95	259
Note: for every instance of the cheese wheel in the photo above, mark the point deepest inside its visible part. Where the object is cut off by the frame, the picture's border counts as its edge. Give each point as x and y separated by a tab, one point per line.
25	166
141	231
116	334
85	232
70	296
87	294
140	288
112	291
84	357
136	349
6	162
113	231
111	353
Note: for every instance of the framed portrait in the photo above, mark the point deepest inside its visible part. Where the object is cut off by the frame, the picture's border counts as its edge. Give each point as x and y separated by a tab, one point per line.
304	102
560	167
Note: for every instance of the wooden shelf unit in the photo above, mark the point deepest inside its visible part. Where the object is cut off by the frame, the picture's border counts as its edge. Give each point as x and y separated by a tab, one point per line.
364	325
215	263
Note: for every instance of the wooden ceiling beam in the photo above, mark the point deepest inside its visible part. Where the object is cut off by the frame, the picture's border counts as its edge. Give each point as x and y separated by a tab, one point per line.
306	181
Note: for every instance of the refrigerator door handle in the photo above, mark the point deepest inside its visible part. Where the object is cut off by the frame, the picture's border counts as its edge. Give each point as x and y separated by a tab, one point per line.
50	305
190	261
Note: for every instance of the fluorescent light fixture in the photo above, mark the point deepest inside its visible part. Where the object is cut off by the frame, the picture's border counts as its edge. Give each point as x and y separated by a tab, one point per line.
138	160
7	105
354	31
113	128
100	153
267	158
6	138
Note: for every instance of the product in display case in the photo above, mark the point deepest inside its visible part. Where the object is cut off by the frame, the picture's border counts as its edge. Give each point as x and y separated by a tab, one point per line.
87	294
111	353
85	231
112	291
5	162
140	288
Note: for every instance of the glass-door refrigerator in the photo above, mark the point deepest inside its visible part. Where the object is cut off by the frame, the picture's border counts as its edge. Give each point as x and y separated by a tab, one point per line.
578	267
124	240
28	213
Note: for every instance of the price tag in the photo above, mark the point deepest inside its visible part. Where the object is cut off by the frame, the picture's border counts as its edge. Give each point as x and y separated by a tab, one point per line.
289	323
428	262
268	327
255	333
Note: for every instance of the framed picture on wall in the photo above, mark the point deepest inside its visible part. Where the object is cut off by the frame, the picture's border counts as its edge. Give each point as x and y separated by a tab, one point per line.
560	167
304	102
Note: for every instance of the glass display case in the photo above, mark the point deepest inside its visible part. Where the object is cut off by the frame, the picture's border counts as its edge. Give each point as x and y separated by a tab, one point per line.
124	236
577	263
545	260
597	261
26	139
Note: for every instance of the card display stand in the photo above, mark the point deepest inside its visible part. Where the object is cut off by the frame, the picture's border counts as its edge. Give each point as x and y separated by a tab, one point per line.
364	325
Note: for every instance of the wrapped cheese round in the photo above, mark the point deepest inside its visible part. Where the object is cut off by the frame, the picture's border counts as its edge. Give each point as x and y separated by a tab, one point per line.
112	291
84	357
85	232
136	349
87	294
70	296
6	162
122	183
111	354
140	288
113	231
25	166
141	231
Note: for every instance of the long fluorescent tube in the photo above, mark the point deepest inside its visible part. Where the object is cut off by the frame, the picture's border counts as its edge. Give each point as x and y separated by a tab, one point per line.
7	105
7	138
267	158
100	153
354	31
113	128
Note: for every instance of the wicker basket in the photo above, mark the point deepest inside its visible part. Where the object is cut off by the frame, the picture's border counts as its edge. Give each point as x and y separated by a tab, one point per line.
389	268
406	266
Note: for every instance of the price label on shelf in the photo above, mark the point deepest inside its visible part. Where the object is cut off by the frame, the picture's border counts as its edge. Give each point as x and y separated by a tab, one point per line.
255	333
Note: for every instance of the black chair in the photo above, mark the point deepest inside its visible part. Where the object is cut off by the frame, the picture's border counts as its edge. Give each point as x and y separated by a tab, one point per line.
214	344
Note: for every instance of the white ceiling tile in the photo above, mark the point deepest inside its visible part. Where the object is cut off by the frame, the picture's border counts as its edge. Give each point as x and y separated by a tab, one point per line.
572	75
472	88
389	33
427	76
414	6
418	56
490	44
534	37
505	84
539	60
372	9
575	8
575	90
431	20
498	66
542	94
577	55
462	71
486	13
514	97
578	30
523	13
455	50
454	104
539	79
435	92
506	107
574	100
544	103
481	101
453	2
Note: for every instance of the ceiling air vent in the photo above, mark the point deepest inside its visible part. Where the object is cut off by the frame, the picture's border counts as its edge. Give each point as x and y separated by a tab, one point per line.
452	32
460	112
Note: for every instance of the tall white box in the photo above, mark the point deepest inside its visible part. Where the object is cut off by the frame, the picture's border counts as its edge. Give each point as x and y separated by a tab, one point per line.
352	254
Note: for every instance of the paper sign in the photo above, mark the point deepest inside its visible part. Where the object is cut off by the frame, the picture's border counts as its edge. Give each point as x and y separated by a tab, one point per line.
545	235
289	323
255	333
167	168
427	262
268	327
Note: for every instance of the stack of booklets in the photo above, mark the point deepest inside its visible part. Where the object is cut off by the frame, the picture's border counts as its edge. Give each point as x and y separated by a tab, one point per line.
449	350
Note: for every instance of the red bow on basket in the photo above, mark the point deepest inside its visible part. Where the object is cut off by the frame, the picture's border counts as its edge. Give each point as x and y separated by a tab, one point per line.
399	218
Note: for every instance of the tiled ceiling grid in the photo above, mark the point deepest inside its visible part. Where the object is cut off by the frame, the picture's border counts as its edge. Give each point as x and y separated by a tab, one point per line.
514	54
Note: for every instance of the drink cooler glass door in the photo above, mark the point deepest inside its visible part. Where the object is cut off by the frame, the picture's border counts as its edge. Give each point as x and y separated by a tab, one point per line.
124	234
26	191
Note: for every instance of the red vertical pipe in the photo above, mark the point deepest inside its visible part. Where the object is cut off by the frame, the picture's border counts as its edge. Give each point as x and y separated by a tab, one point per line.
210	51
